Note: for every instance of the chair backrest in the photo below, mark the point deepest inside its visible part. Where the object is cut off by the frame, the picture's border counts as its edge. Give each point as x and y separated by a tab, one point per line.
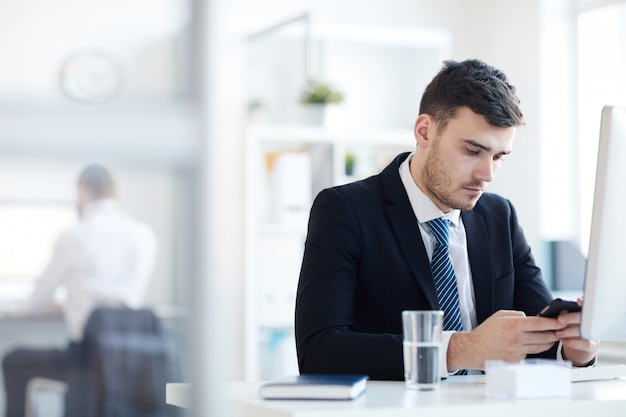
124	362
121	321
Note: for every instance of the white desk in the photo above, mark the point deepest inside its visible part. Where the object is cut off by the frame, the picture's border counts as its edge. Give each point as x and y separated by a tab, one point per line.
178	394
456	397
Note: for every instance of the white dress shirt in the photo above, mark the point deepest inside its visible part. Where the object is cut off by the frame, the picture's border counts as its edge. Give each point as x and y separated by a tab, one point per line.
107	259
425	210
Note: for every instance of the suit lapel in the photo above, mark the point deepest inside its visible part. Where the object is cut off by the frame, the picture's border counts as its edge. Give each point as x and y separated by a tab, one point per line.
479	253
406	229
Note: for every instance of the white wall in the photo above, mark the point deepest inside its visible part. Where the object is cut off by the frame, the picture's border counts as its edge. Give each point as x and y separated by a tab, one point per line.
36	37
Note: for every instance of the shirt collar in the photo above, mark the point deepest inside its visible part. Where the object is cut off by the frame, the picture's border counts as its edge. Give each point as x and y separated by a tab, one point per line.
105	204
423	207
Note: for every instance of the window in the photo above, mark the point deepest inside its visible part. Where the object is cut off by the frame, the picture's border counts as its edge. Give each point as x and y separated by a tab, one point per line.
29	231
601	81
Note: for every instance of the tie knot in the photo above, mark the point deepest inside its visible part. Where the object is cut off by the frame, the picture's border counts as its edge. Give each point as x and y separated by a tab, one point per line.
440	228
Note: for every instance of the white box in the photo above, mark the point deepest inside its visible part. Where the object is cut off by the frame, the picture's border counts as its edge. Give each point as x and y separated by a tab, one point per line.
533	378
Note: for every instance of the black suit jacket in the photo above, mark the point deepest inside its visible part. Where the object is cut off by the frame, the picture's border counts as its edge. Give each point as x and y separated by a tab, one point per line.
121	366
365	262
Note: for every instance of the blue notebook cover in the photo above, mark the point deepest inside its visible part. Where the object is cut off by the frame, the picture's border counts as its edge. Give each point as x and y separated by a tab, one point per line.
314	387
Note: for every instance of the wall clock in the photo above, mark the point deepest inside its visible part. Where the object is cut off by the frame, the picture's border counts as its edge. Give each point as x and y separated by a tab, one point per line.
91	76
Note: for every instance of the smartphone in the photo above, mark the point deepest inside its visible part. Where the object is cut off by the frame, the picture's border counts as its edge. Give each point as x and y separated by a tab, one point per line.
557	306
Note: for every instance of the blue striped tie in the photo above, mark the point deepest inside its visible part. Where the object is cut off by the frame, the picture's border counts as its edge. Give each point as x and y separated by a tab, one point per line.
443	274
445	281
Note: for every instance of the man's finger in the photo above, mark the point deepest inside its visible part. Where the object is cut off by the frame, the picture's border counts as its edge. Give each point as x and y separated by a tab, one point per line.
538	324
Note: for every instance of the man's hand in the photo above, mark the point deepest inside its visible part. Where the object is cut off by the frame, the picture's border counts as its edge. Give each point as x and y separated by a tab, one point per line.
506	335
580	352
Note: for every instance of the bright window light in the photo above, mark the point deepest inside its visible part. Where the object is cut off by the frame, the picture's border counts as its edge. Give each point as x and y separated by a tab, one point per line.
602	81
29	232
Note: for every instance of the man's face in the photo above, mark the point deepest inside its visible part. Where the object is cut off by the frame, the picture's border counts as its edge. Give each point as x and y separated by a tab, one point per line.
458	162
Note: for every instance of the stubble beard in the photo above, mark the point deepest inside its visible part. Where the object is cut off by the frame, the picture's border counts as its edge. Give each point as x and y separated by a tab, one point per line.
437	179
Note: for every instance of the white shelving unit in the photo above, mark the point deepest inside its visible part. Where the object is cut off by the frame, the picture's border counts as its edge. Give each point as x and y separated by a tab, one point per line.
275	243
382	72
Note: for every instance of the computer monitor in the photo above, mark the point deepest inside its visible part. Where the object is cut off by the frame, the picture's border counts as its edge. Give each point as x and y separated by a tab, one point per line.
604	308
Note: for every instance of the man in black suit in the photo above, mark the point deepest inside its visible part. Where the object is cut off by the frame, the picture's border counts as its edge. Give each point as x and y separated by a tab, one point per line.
368	248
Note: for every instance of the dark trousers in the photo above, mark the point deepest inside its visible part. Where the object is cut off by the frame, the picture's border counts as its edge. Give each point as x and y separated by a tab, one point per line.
21	365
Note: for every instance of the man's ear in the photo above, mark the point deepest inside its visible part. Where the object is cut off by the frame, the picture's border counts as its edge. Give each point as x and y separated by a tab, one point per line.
423	129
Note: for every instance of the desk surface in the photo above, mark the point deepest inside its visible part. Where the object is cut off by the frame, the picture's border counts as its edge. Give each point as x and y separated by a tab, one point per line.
456	396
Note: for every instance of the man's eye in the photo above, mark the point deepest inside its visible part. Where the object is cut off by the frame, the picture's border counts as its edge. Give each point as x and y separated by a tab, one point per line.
472	151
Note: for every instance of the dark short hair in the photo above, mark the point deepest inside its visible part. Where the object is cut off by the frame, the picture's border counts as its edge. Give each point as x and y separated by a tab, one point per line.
473	84
98	181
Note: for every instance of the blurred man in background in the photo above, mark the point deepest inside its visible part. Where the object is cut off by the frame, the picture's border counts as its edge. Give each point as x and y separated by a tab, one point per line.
107	259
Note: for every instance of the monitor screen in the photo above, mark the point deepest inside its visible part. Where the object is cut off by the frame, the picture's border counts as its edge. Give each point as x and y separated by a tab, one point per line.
604	309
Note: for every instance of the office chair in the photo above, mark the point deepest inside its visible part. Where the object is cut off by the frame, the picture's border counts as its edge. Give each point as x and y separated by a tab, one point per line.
120	369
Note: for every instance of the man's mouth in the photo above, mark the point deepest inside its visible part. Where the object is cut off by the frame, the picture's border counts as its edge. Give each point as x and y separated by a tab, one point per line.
474	189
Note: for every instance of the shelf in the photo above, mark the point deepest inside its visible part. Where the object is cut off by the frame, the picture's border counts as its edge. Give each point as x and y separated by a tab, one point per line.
313	158
382	73
284	325
274	229
294	134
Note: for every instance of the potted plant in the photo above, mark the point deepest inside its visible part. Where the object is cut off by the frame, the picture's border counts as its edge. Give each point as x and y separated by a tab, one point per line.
256	110
317	97
317	92
350	162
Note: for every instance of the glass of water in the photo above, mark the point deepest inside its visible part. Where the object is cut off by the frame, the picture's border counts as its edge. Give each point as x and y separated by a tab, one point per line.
422	345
